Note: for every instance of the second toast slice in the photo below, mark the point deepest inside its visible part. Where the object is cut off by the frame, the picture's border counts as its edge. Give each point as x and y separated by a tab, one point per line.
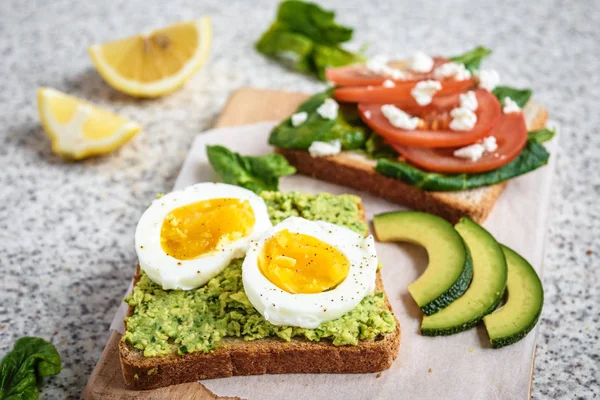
357	171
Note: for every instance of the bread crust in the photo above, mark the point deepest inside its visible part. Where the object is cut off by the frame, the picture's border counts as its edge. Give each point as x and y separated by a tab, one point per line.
234	356
264	356
357	172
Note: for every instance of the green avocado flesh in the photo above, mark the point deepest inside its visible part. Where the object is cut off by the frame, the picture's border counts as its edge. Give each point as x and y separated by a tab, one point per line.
486	289
166	322
519	315
449	270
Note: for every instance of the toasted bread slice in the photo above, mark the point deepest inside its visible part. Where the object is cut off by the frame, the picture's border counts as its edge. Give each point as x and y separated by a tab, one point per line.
234	356
356	171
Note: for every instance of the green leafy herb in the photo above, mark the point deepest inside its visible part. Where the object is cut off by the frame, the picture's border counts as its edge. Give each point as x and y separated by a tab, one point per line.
324	57
519	96
291	49
472	59
21	369
306	38
347	127
533	156
375	147
256	173
542	135
313	22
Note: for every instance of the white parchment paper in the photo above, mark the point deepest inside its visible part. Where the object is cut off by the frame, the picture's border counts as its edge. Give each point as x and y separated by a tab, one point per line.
462	366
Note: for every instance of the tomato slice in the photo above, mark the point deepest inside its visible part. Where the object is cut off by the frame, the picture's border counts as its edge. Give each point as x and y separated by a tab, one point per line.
437	117
399	95
360	75
511	137
357	84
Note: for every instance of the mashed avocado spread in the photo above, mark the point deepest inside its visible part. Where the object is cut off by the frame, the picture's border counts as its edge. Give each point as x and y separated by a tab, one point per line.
168	322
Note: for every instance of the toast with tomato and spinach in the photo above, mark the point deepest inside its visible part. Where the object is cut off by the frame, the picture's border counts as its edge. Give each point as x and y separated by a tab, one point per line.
437	134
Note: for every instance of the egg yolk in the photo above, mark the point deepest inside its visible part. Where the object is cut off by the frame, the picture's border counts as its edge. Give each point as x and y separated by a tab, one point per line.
199	228
299	263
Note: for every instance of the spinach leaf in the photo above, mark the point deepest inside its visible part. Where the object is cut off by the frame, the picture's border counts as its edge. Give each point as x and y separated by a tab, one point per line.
346	127
519	96
472	59
542	135
376	148
22	368
313	22
330	56
533	156
256	173
306	38
291	49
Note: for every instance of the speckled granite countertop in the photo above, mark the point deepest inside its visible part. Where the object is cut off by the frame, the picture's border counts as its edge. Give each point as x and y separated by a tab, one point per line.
66	230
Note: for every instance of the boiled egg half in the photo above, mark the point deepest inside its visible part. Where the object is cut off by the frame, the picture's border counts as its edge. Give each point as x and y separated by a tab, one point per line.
187	237
302	273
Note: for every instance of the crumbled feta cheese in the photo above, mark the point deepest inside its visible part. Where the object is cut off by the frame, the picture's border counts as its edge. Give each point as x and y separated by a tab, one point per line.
324	149
468	100
399	118
329	109
367	114
421	62
395	73
472	152
463	119
475	151
452	70
510	106
488	79
379	65
299	118
388	84
489	144
423	91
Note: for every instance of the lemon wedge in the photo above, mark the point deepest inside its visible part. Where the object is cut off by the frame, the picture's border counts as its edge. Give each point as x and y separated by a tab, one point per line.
157	63
79	129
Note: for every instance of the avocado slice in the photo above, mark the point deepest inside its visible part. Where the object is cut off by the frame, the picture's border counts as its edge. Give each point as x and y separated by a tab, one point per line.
449	270
522	310
486	289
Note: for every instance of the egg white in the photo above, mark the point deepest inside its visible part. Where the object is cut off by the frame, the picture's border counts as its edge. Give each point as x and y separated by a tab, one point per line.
172	273
310	310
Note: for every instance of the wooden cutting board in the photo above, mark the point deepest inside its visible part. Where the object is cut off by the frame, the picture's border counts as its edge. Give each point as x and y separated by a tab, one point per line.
245	106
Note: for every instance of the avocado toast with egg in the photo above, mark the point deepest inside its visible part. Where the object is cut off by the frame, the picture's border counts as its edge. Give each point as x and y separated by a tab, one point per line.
175	336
